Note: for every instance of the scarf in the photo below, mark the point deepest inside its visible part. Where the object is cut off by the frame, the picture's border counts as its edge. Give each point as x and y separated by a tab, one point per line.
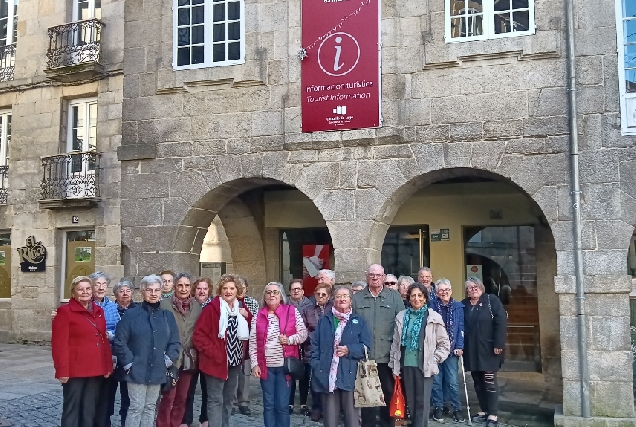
206	302
343	318
182	305
242	328
168	295
451	322
417	326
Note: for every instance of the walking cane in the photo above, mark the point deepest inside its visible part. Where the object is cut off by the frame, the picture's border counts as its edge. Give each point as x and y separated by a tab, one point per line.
461	360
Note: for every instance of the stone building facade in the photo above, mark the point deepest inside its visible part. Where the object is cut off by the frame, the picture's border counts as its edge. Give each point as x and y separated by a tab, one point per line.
209	163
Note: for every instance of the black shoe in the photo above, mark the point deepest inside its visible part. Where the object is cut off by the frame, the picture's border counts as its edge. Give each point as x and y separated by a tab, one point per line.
492	423
316	415
304	410
458	416
291	409
480	418
245	410
438	414
446	410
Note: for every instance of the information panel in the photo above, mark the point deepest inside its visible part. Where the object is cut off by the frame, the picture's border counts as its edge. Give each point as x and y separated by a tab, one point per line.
341	66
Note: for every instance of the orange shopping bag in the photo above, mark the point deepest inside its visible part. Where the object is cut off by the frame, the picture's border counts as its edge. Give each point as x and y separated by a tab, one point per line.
397	401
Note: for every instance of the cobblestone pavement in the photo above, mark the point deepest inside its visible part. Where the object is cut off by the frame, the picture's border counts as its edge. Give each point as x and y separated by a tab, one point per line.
30	396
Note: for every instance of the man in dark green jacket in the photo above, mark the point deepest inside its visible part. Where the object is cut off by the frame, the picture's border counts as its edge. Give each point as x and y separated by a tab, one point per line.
379	305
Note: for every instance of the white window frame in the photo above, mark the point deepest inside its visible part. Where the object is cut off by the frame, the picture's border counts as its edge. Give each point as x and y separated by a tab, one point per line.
488	24
627	100
208	36
12	14
91	9
84	106
5	137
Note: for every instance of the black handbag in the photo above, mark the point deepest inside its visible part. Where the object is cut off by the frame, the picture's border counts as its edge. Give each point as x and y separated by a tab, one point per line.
293	366
172	377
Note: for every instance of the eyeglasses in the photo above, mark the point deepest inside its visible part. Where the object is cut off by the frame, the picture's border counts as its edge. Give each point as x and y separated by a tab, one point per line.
472	288
390	283
343	296
322	295
272	292
375	275
443	291
296	289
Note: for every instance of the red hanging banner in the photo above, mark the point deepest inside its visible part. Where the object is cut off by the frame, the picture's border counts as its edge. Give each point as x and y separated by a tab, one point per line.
340	72
315	258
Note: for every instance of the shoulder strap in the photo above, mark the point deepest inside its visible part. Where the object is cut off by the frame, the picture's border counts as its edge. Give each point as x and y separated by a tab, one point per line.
490	307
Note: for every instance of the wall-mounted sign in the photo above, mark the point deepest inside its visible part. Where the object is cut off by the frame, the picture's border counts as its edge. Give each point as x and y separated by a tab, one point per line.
75	219
32	256
340	70
440	235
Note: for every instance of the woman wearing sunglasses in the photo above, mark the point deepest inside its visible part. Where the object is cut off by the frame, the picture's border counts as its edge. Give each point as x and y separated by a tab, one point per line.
276	332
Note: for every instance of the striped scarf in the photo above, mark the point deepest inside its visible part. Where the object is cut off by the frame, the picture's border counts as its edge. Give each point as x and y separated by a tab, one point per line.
417	326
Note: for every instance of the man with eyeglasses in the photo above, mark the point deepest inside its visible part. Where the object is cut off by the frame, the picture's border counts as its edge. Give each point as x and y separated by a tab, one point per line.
297	296
425	277
311	315
445	385
379	305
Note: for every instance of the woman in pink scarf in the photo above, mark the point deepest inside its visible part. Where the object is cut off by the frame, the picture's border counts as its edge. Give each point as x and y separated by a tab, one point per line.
337	345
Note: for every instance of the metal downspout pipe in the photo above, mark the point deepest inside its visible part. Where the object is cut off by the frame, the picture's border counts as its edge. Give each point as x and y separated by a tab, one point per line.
576	213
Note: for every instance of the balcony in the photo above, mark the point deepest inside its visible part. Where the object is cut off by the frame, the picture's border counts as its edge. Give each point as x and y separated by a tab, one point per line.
74	51
70	180
7	62
4	187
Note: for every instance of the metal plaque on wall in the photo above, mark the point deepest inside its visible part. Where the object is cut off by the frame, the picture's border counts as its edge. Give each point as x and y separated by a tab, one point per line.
32	256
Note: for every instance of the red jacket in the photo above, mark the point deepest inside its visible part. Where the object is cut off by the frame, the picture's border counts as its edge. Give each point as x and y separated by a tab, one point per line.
212	351
79	343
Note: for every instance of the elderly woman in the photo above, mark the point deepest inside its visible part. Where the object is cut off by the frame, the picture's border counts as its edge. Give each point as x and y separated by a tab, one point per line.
403	285
484	342
201	292
391	282
146	345
276	332
124	302
337	345
220	336
445	384
420	343
186	311
81	355
167	288
358	286
243	389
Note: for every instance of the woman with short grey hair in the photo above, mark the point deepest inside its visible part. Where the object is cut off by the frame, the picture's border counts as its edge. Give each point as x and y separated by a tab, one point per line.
281	290
403	283
146	345
358	286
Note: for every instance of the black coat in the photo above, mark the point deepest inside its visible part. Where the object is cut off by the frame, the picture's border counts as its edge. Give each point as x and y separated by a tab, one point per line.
485	330
142	338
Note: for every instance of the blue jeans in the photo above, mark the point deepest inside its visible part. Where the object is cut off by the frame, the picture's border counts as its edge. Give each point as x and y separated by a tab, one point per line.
276	390
445	387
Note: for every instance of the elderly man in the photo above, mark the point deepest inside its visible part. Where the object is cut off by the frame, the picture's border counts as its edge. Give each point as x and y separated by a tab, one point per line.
445	385
379	305
425	277
297	296
167	290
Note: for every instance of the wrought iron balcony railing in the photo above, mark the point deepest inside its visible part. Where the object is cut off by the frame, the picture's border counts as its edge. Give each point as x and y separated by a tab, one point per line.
74	44
71	176
4	181
7	62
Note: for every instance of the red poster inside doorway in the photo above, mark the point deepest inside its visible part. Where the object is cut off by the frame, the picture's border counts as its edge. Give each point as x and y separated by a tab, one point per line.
315	258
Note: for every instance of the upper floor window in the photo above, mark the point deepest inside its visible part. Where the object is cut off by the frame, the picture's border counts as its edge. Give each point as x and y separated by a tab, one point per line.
5	136
488	19
82	125
87	9
8	22
208	33
626	34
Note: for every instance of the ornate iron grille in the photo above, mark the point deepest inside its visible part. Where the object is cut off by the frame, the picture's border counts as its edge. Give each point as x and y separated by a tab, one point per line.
4	181
7	62
71	176
74	44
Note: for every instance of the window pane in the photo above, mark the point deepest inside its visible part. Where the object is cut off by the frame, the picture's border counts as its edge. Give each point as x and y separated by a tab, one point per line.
472	26
219	12
218	33
184	16
233	10
184	2
218	52
198	54
630	31
520	4
457	6
183	56
234	31
197	15
502	23
502	4
198	34
630	56
92	115
8	137
234	51
183	36
456	27
521	20
629	8
198	2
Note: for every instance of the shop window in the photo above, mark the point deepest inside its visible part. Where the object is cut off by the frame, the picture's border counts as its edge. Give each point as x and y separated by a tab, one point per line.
488	19
305	251
208	33
626	38
504	258
406	250
79	257
5	265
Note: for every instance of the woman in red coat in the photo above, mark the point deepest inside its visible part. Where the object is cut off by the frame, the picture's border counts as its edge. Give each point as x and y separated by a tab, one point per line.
221	335
81	354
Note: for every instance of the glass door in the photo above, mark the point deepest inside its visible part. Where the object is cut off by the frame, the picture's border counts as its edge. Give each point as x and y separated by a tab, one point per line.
80	257
405	250
504	258
81	145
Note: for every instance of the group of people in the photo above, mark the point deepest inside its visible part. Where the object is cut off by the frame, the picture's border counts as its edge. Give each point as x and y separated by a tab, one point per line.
156	351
